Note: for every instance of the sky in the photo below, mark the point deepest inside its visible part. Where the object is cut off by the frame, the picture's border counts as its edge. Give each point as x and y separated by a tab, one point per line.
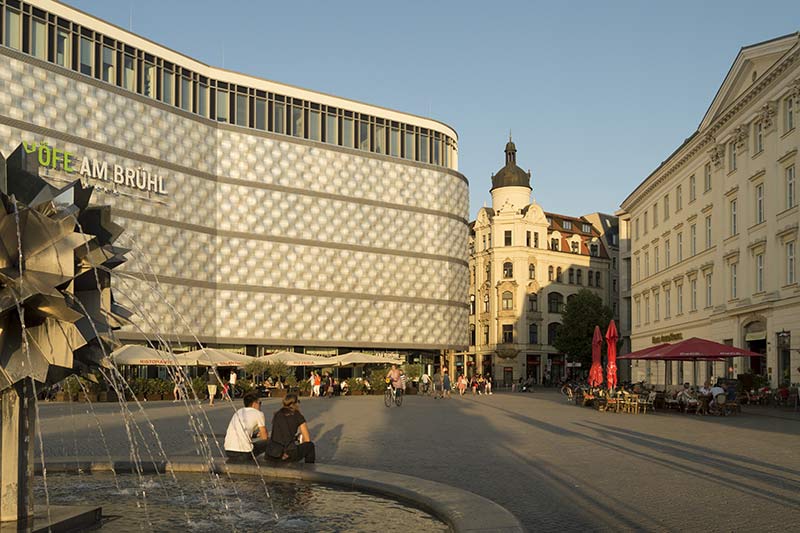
596	94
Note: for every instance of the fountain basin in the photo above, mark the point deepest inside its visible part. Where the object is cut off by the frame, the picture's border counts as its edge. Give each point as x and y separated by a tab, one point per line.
460	510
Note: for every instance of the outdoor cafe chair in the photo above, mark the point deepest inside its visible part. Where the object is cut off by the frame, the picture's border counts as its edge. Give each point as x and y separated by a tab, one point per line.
644	403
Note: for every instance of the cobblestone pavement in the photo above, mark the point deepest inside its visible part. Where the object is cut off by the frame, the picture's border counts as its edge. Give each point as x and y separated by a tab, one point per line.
556	466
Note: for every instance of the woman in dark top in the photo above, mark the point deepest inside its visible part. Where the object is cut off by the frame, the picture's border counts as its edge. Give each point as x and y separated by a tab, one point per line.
285	424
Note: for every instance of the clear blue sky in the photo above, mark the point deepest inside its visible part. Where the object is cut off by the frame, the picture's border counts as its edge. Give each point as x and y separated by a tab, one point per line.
596	94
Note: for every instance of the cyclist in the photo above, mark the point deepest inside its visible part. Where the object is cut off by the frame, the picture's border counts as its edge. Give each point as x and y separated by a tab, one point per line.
397	379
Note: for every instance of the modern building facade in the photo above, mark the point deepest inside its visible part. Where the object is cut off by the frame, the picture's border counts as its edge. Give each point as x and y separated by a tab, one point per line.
525	264
714	229
259	215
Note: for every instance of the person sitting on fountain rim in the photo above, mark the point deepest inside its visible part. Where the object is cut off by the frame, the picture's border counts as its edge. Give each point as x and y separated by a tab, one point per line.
245	423
283	445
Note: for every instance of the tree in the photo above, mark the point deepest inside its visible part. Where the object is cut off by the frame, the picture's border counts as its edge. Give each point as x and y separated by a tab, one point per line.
584	311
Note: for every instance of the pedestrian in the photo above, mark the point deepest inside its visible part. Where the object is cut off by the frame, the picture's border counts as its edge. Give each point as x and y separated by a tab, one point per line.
437	384
317	383
426	383
488	384
286	423
177	390
461	383
239	446
232	384
311	384
212	381
445	384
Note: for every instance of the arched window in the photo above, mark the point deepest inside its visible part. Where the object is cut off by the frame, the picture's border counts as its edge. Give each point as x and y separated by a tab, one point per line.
558	274
570	298
533	302
508	300
472	304
580	276
531	271
489	271
508	270
597	278
486	303
555	302
472	334
552	332
533	333
572	275
550	273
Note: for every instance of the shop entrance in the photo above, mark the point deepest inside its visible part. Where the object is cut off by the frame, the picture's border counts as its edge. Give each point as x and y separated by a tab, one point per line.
755	337
532	367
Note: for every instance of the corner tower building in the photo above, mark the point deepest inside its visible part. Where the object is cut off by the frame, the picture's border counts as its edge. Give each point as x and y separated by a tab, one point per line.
524	265
259	215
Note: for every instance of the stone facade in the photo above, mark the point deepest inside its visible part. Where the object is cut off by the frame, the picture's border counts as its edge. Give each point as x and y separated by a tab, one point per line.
713	231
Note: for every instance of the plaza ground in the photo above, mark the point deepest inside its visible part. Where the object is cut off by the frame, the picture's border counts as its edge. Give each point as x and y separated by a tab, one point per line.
554	465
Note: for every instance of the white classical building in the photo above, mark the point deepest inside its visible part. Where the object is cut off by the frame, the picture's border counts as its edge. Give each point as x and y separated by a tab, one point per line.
713	231
524	266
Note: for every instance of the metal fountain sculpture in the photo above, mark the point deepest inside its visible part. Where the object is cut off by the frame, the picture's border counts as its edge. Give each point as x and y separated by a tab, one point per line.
57	312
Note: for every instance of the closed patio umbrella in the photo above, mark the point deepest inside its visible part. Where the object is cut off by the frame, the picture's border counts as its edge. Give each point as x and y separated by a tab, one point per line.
611	341
596	372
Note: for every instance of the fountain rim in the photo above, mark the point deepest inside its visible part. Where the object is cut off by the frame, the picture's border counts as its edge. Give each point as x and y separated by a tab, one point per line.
461	510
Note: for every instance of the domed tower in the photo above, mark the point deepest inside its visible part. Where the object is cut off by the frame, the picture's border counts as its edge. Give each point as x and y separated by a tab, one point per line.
511	185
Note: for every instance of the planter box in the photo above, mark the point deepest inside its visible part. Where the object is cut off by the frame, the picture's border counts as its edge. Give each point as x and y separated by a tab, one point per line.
277	393
62	397
411	391
355	393
154	397
109	396
83	398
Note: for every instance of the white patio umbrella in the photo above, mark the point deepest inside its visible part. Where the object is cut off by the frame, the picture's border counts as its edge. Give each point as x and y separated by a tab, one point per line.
361	358
297	359
214	357
133	354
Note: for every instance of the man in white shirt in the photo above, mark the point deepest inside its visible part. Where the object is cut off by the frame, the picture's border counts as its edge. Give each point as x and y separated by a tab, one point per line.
245	423
716	390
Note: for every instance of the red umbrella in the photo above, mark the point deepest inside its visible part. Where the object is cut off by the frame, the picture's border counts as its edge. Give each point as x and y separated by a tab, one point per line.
644	352
696	349
596	372
611	342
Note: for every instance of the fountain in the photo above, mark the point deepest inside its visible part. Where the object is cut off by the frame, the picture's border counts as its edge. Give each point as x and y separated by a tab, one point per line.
56	307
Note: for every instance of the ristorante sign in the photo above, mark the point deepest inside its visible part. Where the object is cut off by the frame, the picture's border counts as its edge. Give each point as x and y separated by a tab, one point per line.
131	177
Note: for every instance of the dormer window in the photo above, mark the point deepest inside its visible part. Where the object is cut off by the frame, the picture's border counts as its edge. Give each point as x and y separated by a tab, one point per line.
567	224
594	250
587	228
554	244
574	247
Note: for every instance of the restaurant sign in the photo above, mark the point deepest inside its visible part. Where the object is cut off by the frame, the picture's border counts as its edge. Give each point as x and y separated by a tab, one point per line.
94	169
670	337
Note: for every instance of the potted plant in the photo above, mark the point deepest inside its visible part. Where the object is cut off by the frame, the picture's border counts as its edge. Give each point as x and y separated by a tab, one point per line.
290	383
152	391
354	386
72	388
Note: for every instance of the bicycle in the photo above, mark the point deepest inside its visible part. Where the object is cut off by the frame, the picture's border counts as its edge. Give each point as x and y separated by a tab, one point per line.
392	396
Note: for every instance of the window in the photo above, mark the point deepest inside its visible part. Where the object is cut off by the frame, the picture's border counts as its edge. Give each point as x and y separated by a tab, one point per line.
656	260
734	225
490	239
554	244
531	271
594	250
408	145
394	142
533	302
587	228
508	270
597	278
533	333
508	333
646	224
732	156
148	79
636	223
528	239
555	303
789	112
657	306
39	39
790	268
734	281
472	334
472	304
678	198
655	215
666	207
693	294
591	276
108	73
646	264
129	73
708	232
86	56
332	131
566	224
260	110
666	253
638	313
11	31
508	301
558	274
759	203
186	93
693	239
486	303
692	189
580	276
758	137
488	271
222	110
571	275
63	48
168	87
363	135
760	272
552	332
298	122
507	237
708	290
348	134
679	299
791	188
638	270
679	246
667	302
536	240
574	247
485	334
614	285
423	148
550	276
380	139
647	309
